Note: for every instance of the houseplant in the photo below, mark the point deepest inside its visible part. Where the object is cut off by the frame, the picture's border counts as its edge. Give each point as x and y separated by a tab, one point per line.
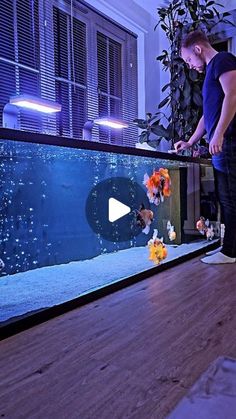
184	100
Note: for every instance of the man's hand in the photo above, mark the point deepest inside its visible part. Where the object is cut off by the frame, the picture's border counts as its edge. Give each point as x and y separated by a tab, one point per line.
216	143
182	145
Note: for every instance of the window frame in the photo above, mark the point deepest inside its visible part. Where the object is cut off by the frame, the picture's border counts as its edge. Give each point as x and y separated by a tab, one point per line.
95	22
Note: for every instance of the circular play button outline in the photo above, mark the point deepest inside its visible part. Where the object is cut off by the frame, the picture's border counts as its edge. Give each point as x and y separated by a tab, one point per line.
128	195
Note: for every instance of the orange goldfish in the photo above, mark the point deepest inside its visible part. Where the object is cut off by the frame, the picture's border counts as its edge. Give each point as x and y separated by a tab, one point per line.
201	225
144	218
158	185
157	249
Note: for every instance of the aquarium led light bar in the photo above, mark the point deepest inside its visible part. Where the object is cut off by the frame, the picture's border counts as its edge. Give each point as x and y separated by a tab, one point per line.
105	121
35	103
111	122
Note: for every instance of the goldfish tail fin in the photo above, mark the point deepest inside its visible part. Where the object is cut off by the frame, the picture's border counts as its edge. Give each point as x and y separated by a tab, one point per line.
146	229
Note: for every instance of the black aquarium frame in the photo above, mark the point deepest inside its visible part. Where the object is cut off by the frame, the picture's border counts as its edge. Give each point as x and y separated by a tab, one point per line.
28	320
46	139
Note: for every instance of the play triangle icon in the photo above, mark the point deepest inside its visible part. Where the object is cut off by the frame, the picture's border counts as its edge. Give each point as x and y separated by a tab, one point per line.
116	209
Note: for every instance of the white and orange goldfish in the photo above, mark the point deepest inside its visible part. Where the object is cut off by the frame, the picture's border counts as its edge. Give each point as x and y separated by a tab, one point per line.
158	185
144	218
2	264
210	232
171	231
202	226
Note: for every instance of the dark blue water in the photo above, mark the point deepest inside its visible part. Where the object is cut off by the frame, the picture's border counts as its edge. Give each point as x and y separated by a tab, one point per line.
43	193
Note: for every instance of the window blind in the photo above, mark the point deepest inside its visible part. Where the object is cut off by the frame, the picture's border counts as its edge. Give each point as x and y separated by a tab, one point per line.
19	55
66	51
109	84
70	72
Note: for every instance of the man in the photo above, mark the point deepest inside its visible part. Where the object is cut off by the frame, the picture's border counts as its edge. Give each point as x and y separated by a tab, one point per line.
219	121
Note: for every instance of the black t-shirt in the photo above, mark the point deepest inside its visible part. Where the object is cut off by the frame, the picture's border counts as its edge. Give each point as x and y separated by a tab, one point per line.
213	96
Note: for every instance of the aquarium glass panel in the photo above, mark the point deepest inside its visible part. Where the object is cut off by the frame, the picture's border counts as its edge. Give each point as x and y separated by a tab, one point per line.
73	221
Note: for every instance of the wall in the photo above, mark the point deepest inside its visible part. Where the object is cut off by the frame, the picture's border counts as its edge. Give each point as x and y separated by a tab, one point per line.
228	4
230	33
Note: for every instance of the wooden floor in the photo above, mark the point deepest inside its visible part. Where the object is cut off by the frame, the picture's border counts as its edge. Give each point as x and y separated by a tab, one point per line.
132	354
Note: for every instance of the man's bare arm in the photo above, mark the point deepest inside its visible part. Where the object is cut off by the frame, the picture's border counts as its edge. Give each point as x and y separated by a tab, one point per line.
197	135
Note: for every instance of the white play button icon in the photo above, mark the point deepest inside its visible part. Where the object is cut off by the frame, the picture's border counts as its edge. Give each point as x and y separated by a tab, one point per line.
116	209
111	209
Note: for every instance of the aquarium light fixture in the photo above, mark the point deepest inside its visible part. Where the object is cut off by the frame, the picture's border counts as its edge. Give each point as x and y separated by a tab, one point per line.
111	122
105	121
35	103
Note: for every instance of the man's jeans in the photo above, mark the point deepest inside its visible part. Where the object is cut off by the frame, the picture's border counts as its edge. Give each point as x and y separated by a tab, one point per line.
225	182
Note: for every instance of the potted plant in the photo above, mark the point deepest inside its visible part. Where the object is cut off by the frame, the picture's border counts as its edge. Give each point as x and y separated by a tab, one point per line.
184	98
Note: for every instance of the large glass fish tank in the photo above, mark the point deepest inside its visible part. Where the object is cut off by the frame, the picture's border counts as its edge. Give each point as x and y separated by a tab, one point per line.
79	217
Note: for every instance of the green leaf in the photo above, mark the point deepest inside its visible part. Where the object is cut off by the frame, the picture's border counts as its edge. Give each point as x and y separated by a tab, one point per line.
186	114
209	14
156	121
161	57
153	118
185	103
143	137
226	14
177	6
160	131
164	102
158	23
141	123
176	95
154	143
192	12
187	89
197	99
165	87
156	124
197	89
193	75
193	4
216	12
179	60
164	27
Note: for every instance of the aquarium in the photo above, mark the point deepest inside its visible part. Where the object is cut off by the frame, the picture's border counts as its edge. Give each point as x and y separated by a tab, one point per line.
74	220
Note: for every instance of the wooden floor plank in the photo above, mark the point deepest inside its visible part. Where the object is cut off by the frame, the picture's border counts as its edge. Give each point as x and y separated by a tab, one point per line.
132	354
